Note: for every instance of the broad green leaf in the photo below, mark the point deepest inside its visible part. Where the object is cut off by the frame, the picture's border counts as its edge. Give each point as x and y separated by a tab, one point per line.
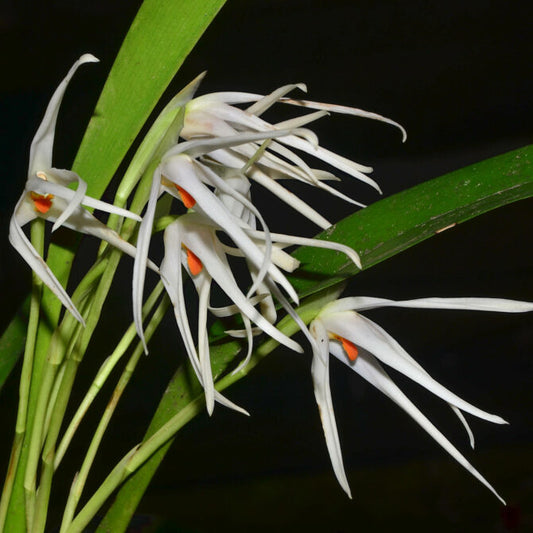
396	223
378	232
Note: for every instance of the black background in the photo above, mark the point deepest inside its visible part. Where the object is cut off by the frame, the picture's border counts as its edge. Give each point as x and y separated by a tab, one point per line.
458	77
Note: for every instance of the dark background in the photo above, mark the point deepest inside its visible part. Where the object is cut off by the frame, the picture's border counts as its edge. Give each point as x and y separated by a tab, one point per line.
458	77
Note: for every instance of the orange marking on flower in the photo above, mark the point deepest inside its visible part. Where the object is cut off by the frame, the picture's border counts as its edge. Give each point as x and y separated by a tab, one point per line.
349	347
42	203
195	265
186	198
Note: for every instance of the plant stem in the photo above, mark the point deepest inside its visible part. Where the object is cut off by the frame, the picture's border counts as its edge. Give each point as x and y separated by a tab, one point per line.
81	478
37	237
102	375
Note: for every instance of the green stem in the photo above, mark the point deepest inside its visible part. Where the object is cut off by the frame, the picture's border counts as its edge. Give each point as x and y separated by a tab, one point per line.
102	375
74	356
37	238
81	478
47	468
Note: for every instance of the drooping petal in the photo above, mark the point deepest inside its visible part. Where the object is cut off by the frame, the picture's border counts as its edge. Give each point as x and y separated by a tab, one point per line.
368	335
141	259
203	344
22	244
202	241
369	368
345	110
171	275
321	387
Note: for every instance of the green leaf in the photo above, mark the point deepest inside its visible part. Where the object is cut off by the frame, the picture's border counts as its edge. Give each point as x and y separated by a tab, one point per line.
394	224
378	232
12	342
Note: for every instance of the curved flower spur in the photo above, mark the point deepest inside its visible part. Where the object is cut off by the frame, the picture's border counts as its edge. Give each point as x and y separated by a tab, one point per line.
47	195
362	345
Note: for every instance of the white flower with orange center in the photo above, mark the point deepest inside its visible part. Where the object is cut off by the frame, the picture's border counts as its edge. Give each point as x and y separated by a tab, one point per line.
362	345
47	195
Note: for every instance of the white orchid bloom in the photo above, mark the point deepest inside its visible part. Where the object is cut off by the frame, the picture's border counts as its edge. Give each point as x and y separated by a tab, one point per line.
47	195
362	345
191	241
215	115
181	175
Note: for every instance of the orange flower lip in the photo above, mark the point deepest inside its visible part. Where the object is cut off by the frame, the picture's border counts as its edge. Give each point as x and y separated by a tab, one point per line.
349	347
195	265
42	203
186	198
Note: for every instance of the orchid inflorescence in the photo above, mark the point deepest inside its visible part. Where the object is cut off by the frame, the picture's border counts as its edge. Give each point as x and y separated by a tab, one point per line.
211	170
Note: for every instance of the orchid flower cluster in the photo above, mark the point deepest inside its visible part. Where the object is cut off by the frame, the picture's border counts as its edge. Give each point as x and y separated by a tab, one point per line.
223	152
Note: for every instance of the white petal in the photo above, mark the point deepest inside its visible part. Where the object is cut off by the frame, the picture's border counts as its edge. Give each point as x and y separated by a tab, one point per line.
362	303
230	310
289	198
270	99
43	141
22	244
250	342
143	244
368	335
314	243
203	344
77	196
197	147
321	387
345	110
369	368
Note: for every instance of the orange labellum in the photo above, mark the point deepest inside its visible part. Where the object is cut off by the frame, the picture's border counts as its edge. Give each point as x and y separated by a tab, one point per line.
42	203
349	347
195	265
186	198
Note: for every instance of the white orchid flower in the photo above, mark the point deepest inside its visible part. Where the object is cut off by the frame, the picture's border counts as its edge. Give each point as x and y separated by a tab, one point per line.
47	195
191	241
181	175
362	345
215	115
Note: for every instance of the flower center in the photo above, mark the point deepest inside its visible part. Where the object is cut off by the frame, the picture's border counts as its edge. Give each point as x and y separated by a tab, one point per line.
349	347
194	263
186	198
42	202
